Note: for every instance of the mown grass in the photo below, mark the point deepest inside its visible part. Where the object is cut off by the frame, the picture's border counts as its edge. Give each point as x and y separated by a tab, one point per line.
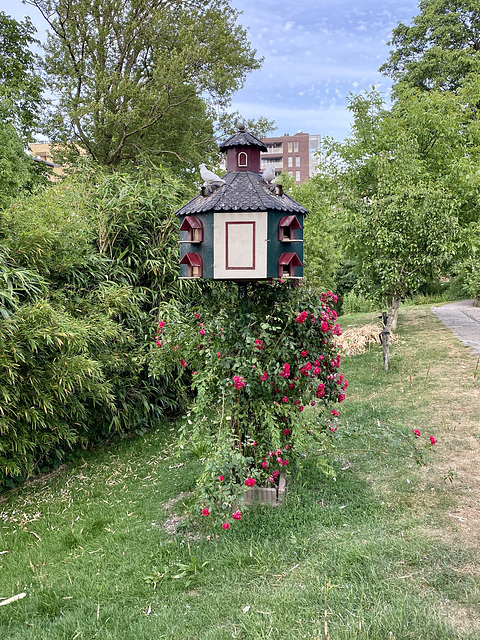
370	555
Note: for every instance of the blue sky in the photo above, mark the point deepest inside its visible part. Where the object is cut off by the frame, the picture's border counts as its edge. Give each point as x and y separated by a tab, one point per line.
316	53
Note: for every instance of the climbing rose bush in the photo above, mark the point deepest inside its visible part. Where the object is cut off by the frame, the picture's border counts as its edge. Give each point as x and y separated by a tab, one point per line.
255	358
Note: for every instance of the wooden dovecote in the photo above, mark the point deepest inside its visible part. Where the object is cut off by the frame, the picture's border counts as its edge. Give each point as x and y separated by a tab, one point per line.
242	229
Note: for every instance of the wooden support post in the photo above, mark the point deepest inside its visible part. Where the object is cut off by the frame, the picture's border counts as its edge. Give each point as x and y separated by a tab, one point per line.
385	341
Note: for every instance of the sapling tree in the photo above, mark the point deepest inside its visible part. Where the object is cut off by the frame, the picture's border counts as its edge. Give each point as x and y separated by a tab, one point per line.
407	188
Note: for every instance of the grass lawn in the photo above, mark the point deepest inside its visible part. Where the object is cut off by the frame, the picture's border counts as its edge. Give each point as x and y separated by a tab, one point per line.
387	551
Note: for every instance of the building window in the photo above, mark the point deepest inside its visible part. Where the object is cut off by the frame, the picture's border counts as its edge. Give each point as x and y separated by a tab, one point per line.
295	146
297	176
194	228
290	161
297	161
242	159
275	147
290	147
286	228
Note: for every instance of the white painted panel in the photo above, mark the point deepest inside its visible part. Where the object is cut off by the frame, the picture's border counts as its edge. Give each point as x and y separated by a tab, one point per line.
240	248
240	245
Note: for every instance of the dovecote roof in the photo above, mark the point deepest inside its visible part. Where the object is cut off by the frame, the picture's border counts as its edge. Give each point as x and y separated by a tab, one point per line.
242	191
242	139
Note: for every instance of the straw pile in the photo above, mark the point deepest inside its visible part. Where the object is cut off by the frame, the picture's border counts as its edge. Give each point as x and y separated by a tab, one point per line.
356	340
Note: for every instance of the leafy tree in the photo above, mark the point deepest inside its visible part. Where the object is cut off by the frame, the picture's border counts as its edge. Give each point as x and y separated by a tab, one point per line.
18	171
139	79
439	49
321	232
20	84
408	188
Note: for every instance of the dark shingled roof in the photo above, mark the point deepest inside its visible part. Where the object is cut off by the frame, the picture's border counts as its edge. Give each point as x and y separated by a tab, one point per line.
243	139
242	191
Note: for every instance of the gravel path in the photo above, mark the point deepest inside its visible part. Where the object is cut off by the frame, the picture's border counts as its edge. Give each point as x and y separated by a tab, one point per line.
464	320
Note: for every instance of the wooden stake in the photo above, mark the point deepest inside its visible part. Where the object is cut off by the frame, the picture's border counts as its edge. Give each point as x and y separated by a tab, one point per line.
13	599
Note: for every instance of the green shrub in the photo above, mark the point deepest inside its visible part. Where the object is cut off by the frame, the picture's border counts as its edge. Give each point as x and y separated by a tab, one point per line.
257	355
84	267
49	385
357	303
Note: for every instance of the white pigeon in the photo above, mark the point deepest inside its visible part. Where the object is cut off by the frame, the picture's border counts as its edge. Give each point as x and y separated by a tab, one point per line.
209	177
268	175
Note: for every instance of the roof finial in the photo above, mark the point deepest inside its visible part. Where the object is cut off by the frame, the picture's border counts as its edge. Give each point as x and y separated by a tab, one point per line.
241	126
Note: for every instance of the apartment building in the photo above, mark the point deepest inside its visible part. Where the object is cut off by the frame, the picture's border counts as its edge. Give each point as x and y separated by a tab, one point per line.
41	152
293	154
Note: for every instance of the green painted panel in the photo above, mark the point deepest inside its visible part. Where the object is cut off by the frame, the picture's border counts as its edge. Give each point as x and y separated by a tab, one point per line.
276	248
205	248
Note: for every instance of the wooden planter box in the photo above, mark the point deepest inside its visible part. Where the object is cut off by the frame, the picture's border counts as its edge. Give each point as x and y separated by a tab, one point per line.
266	495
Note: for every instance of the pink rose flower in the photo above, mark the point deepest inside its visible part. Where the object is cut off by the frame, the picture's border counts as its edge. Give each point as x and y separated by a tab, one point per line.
220	478
334	413
416	433
205	512
183	363
286	432
202	332
264	376
161	324
271	479
238	382
304	354
237	515
264	464
285	372
284	463
275	474
226	526
279	460
250	482
432	440
284	399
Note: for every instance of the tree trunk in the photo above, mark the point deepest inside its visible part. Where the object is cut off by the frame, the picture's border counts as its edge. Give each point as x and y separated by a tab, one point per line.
393	314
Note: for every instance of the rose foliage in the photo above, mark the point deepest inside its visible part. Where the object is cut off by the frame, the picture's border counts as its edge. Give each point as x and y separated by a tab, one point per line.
256	355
